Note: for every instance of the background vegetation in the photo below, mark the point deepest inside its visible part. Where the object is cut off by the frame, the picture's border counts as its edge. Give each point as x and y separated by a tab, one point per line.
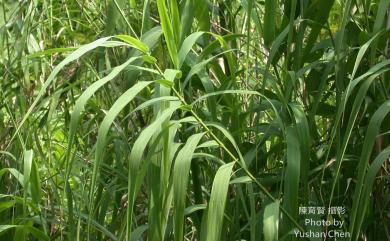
193	120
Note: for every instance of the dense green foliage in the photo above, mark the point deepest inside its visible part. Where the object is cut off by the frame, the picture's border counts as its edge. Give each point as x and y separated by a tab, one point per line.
193	119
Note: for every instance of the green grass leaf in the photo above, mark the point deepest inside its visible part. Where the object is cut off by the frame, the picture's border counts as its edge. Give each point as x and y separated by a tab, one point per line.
271	221
180	181
216	207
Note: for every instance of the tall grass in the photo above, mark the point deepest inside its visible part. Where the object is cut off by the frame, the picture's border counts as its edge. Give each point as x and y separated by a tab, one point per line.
193	120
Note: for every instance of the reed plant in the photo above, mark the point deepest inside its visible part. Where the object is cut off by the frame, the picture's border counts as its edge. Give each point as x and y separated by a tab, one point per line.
199	120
